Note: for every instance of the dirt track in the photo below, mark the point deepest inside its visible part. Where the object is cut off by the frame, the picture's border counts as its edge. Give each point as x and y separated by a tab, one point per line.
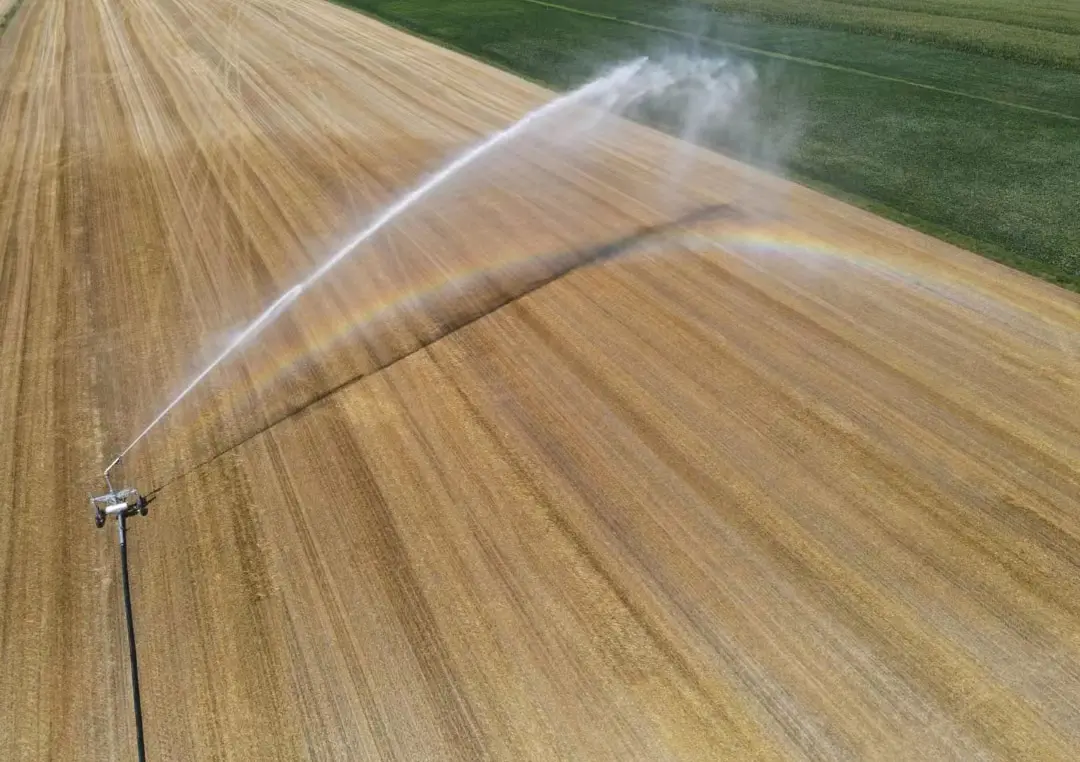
780	479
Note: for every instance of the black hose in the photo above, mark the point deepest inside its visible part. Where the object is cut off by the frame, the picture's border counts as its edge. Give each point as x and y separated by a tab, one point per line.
131	640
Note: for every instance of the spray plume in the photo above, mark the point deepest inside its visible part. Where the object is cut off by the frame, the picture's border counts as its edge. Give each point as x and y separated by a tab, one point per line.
711	86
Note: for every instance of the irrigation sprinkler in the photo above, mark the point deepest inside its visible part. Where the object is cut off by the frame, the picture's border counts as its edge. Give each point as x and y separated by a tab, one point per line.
116	501
122	504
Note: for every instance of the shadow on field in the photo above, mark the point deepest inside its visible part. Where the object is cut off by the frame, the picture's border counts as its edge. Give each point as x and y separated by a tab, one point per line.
555	267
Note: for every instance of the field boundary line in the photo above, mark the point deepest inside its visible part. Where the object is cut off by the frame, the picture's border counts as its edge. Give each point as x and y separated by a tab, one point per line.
8	16
801	60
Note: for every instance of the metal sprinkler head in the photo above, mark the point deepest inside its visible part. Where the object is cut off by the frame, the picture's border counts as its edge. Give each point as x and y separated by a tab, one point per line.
120	503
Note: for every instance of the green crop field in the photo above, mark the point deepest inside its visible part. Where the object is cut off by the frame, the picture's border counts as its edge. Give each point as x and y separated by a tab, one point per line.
978	144
1043	32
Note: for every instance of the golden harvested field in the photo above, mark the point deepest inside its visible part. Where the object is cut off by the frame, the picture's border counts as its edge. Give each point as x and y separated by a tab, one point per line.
575	462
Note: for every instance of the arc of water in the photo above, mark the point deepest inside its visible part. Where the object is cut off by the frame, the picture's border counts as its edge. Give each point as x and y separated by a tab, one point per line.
606	84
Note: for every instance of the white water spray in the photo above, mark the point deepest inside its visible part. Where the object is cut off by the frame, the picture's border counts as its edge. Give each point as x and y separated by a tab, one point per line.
702	90
615	80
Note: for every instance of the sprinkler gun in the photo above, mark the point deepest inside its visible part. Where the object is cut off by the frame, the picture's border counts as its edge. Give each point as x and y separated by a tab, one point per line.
116	502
